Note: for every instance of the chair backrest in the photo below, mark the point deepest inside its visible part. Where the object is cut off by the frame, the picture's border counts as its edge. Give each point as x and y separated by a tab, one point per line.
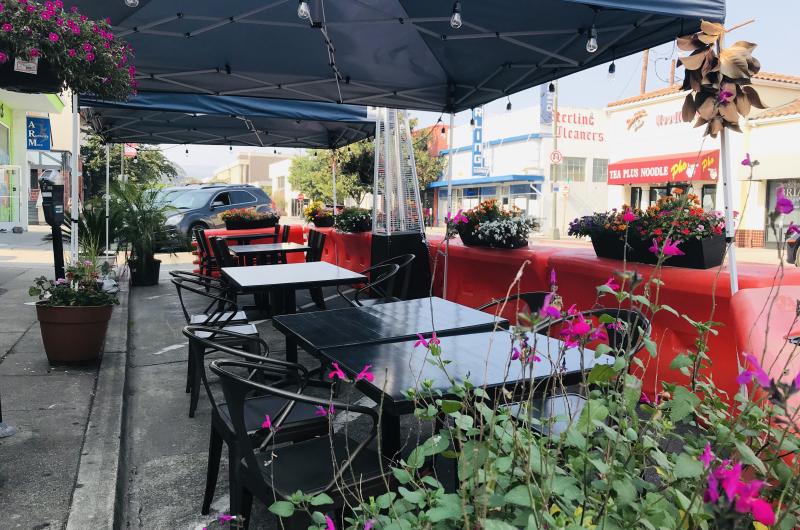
236	389
206	257
217	297
285	233
221	252
534	301
403	275
316	242
381	281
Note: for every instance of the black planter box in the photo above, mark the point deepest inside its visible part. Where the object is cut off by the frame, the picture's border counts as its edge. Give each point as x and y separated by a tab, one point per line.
247	225
323	222
698	253
613	247
145	272
469	239
45	81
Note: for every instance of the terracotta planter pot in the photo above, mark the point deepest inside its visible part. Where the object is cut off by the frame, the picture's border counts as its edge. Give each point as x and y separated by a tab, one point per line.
73	334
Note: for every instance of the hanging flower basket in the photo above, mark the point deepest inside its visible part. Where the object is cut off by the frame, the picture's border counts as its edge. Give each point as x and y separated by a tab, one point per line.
44	48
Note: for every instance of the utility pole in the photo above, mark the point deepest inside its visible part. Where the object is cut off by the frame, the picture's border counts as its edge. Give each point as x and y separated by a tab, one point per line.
645	63
554	233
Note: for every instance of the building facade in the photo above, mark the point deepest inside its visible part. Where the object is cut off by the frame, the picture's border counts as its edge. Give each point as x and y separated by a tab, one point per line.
248	168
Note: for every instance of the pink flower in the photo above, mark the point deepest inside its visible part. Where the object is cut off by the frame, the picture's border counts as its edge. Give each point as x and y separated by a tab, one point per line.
267	423
72	52
782	204
224	518
59	4
337	372
31	8
756	373
645	400
46	15
629	216
725	96
747	501
572	310
322	411
707	457
612	284
459	217
427	343
86	47
365	373
670	248
73	9
7	27
329	524
599	333
90	57
747	161
368	524
515	353
548	310
84	18
552	278
792	229
3	57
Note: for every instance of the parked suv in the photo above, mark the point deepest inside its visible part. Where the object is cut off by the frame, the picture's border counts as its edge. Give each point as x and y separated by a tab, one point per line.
203	207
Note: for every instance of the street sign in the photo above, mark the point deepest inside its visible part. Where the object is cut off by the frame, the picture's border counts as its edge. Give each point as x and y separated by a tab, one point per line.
38	134
556	157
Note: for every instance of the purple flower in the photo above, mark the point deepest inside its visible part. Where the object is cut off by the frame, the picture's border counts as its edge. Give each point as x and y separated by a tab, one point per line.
552	277
323	412
725	96
329	524
224	518
670	248
34	52
515	354
792	229
53	37
71	52
3	57
757	373
629	216
368	524
86	47
90	57
365	373
7	27
707	457
548	310
747	161
782	204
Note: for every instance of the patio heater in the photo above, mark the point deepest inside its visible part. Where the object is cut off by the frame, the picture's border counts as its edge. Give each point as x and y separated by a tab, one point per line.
397	223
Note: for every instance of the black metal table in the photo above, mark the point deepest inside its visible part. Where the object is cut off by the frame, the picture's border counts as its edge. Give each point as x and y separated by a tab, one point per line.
261	251
483	357
286	278
394	321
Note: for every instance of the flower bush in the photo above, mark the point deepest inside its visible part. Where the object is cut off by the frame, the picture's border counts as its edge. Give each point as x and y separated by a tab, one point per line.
316	211
247	214
81	286
680	217
84	54
489	225
614	222
354	220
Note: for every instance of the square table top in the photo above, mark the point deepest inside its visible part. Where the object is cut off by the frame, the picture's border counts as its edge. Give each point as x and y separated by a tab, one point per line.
268	248
296	275
483	357
318	330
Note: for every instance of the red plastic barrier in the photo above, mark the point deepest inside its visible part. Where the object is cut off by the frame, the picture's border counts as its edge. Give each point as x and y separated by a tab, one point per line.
295	236
350	251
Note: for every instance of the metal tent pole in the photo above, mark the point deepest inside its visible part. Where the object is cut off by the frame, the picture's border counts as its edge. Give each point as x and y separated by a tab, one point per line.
74	195
449	201
108	192
333	173
122	163
727	192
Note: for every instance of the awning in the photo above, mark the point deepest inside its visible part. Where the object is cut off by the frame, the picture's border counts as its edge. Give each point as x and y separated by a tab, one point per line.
165	118
477	181
391	53
681	167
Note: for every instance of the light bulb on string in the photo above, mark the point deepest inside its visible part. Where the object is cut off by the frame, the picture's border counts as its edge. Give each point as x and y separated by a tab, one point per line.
455	18
303	12
443	131
508	105
612	70
591	44
551	88
472	121
132	3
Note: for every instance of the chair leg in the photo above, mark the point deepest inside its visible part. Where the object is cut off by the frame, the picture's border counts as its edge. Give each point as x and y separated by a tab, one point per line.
196	367
246	504
233	479
189	370
214	456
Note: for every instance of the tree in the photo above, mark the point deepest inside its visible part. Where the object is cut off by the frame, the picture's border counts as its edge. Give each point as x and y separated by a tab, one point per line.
150	165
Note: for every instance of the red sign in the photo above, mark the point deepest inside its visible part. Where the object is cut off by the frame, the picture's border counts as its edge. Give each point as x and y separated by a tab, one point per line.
131	150
670	168
556	157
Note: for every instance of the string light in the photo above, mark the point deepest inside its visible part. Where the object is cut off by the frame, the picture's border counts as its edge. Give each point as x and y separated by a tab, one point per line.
612	69
508	105
455	18
472	121
443	131
551	88
132	3
303	12
591	44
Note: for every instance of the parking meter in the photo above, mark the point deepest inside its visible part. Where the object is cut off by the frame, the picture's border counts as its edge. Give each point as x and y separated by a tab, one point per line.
51	186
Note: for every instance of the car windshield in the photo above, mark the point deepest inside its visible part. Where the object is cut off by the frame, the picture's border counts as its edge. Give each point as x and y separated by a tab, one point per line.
170	196
192	199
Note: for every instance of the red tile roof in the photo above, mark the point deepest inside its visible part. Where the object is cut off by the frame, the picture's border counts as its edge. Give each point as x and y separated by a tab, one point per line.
788	109
673	89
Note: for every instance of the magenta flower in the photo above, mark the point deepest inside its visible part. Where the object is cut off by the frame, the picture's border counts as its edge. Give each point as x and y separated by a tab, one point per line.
459	217
548	310
730	479
31	8
629	216
3	57
7	27
224	518
707	457
746	161
267	423
645	400
599	333
365	373
73	9
329	524
34	52
552	277
670	248
792	229
84	18
782	204
90	57
337	372
59	4
748	501
86	47
757	373
322	411
72	52
725	96
427	343
46	15
515	354
573	310
368	524
612	284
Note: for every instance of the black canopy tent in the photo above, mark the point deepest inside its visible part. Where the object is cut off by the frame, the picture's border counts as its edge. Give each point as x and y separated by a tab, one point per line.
392	53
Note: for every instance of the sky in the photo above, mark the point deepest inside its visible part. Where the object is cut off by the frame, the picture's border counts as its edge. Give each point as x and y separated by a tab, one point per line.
775	22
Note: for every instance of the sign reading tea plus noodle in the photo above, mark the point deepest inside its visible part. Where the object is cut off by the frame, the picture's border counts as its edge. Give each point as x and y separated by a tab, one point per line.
669	168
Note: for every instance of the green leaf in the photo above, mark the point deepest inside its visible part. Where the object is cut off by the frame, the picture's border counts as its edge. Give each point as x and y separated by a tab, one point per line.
605	318
750	457
320	500
593	410
282	508
680	361
402	476
625	490
669	309
575	439
448	507
385	500
642	300
687	466
494	524
602	349
601	373
414	497
449	405
683	403
601	466
605	289
464	422
503	463
650	346
520	496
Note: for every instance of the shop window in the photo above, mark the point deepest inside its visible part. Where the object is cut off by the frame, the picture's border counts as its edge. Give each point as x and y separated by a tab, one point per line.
600	170
657	193
5	149
520	189
708	197
571	169
791	190
636	197
443	193
471	192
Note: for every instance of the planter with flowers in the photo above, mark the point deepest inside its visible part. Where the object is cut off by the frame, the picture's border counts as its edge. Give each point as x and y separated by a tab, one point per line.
354	220
317	213
693	237
487	225
45	48
609	232
73	313
247	218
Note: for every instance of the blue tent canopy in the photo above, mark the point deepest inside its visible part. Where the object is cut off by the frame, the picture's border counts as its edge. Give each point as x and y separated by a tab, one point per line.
392	53
164	118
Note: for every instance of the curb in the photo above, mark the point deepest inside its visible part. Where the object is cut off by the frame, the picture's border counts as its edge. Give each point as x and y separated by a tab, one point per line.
94	497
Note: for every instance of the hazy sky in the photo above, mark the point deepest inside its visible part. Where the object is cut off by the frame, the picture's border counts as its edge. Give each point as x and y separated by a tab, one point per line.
773	31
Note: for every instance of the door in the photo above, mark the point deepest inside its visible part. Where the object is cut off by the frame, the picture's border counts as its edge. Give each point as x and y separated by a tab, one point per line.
10	195
219	204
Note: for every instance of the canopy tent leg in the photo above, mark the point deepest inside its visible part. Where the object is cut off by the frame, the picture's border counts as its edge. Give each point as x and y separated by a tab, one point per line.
333	175
449	202
727	192
73	188
108	194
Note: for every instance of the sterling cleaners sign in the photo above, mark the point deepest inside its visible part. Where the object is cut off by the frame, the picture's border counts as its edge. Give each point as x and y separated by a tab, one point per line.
666	169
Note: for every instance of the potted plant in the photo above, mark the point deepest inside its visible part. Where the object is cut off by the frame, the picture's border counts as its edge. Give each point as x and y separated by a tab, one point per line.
487	225
317	213
45	48
73	313
608	232
354	220
680	218
245	218
143	214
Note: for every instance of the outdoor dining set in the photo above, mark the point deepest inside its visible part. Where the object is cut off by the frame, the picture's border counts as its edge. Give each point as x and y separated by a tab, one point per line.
277	414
